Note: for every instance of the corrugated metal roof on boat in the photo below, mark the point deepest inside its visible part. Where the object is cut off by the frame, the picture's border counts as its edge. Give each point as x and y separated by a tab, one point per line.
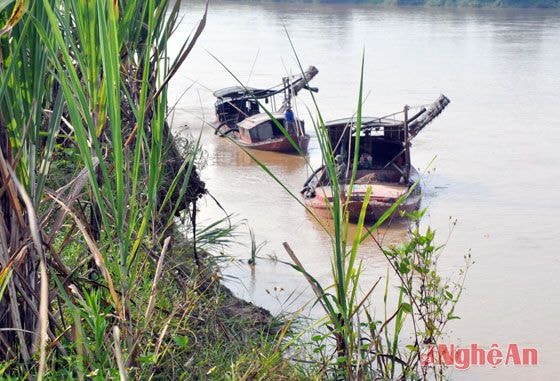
239	92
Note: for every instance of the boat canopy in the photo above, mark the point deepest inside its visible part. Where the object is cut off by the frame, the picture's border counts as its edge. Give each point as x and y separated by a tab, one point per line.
391	126
240	92
368	123
291	84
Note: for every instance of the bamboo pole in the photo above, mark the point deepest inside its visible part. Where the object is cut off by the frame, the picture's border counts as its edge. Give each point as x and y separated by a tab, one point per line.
406	146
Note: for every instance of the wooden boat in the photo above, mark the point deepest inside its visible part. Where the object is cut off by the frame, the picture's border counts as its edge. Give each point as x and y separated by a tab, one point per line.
384	165
240	115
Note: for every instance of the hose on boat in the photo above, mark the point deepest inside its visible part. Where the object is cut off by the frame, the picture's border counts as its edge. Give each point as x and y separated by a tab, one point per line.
224	134
308	189
217	130
235	129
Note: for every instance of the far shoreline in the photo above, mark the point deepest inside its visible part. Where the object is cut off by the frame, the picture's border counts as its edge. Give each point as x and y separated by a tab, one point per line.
473	4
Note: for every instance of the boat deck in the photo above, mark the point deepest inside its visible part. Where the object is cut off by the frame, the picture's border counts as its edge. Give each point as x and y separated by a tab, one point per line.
378	190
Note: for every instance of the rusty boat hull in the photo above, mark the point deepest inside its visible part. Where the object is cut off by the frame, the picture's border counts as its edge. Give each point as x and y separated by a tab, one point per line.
383	196
266	132
280	144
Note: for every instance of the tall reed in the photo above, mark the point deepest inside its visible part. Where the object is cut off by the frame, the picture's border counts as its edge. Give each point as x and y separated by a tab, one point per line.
83	96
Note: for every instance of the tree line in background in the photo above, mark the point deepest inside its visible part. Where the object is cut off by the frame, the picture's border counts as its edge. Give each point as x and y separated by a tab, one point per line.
448	3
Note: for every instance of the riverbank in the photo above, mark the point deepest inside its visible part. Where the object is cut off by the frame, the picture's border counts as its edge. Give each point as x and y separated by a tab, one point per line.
216	335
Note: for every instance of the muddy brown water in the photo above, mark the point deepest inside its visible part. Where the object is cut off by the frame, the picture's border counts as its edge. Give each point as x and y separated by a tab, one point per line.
496	151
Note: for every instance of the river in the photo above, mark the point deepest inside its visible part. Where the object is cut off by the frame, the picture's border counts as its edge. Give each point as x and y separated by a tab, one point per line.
495	150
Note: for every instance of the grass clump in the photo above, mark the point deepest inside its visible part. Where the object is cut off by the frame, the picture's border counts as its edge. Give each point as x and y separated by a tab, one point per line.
91	180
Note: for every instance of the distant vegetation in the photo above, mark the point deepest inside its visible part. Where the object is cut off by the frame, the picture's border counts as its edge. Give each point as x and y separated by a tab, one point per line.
460	3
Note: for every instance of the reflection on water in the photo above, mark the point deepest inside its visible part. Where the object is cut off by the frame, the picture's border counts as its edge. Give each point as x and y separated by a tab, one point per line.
236	157
496	147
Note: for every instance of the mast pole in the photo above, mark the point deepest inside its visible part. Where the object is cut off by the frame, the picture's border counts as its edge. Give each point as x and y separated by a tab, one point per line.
406	146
